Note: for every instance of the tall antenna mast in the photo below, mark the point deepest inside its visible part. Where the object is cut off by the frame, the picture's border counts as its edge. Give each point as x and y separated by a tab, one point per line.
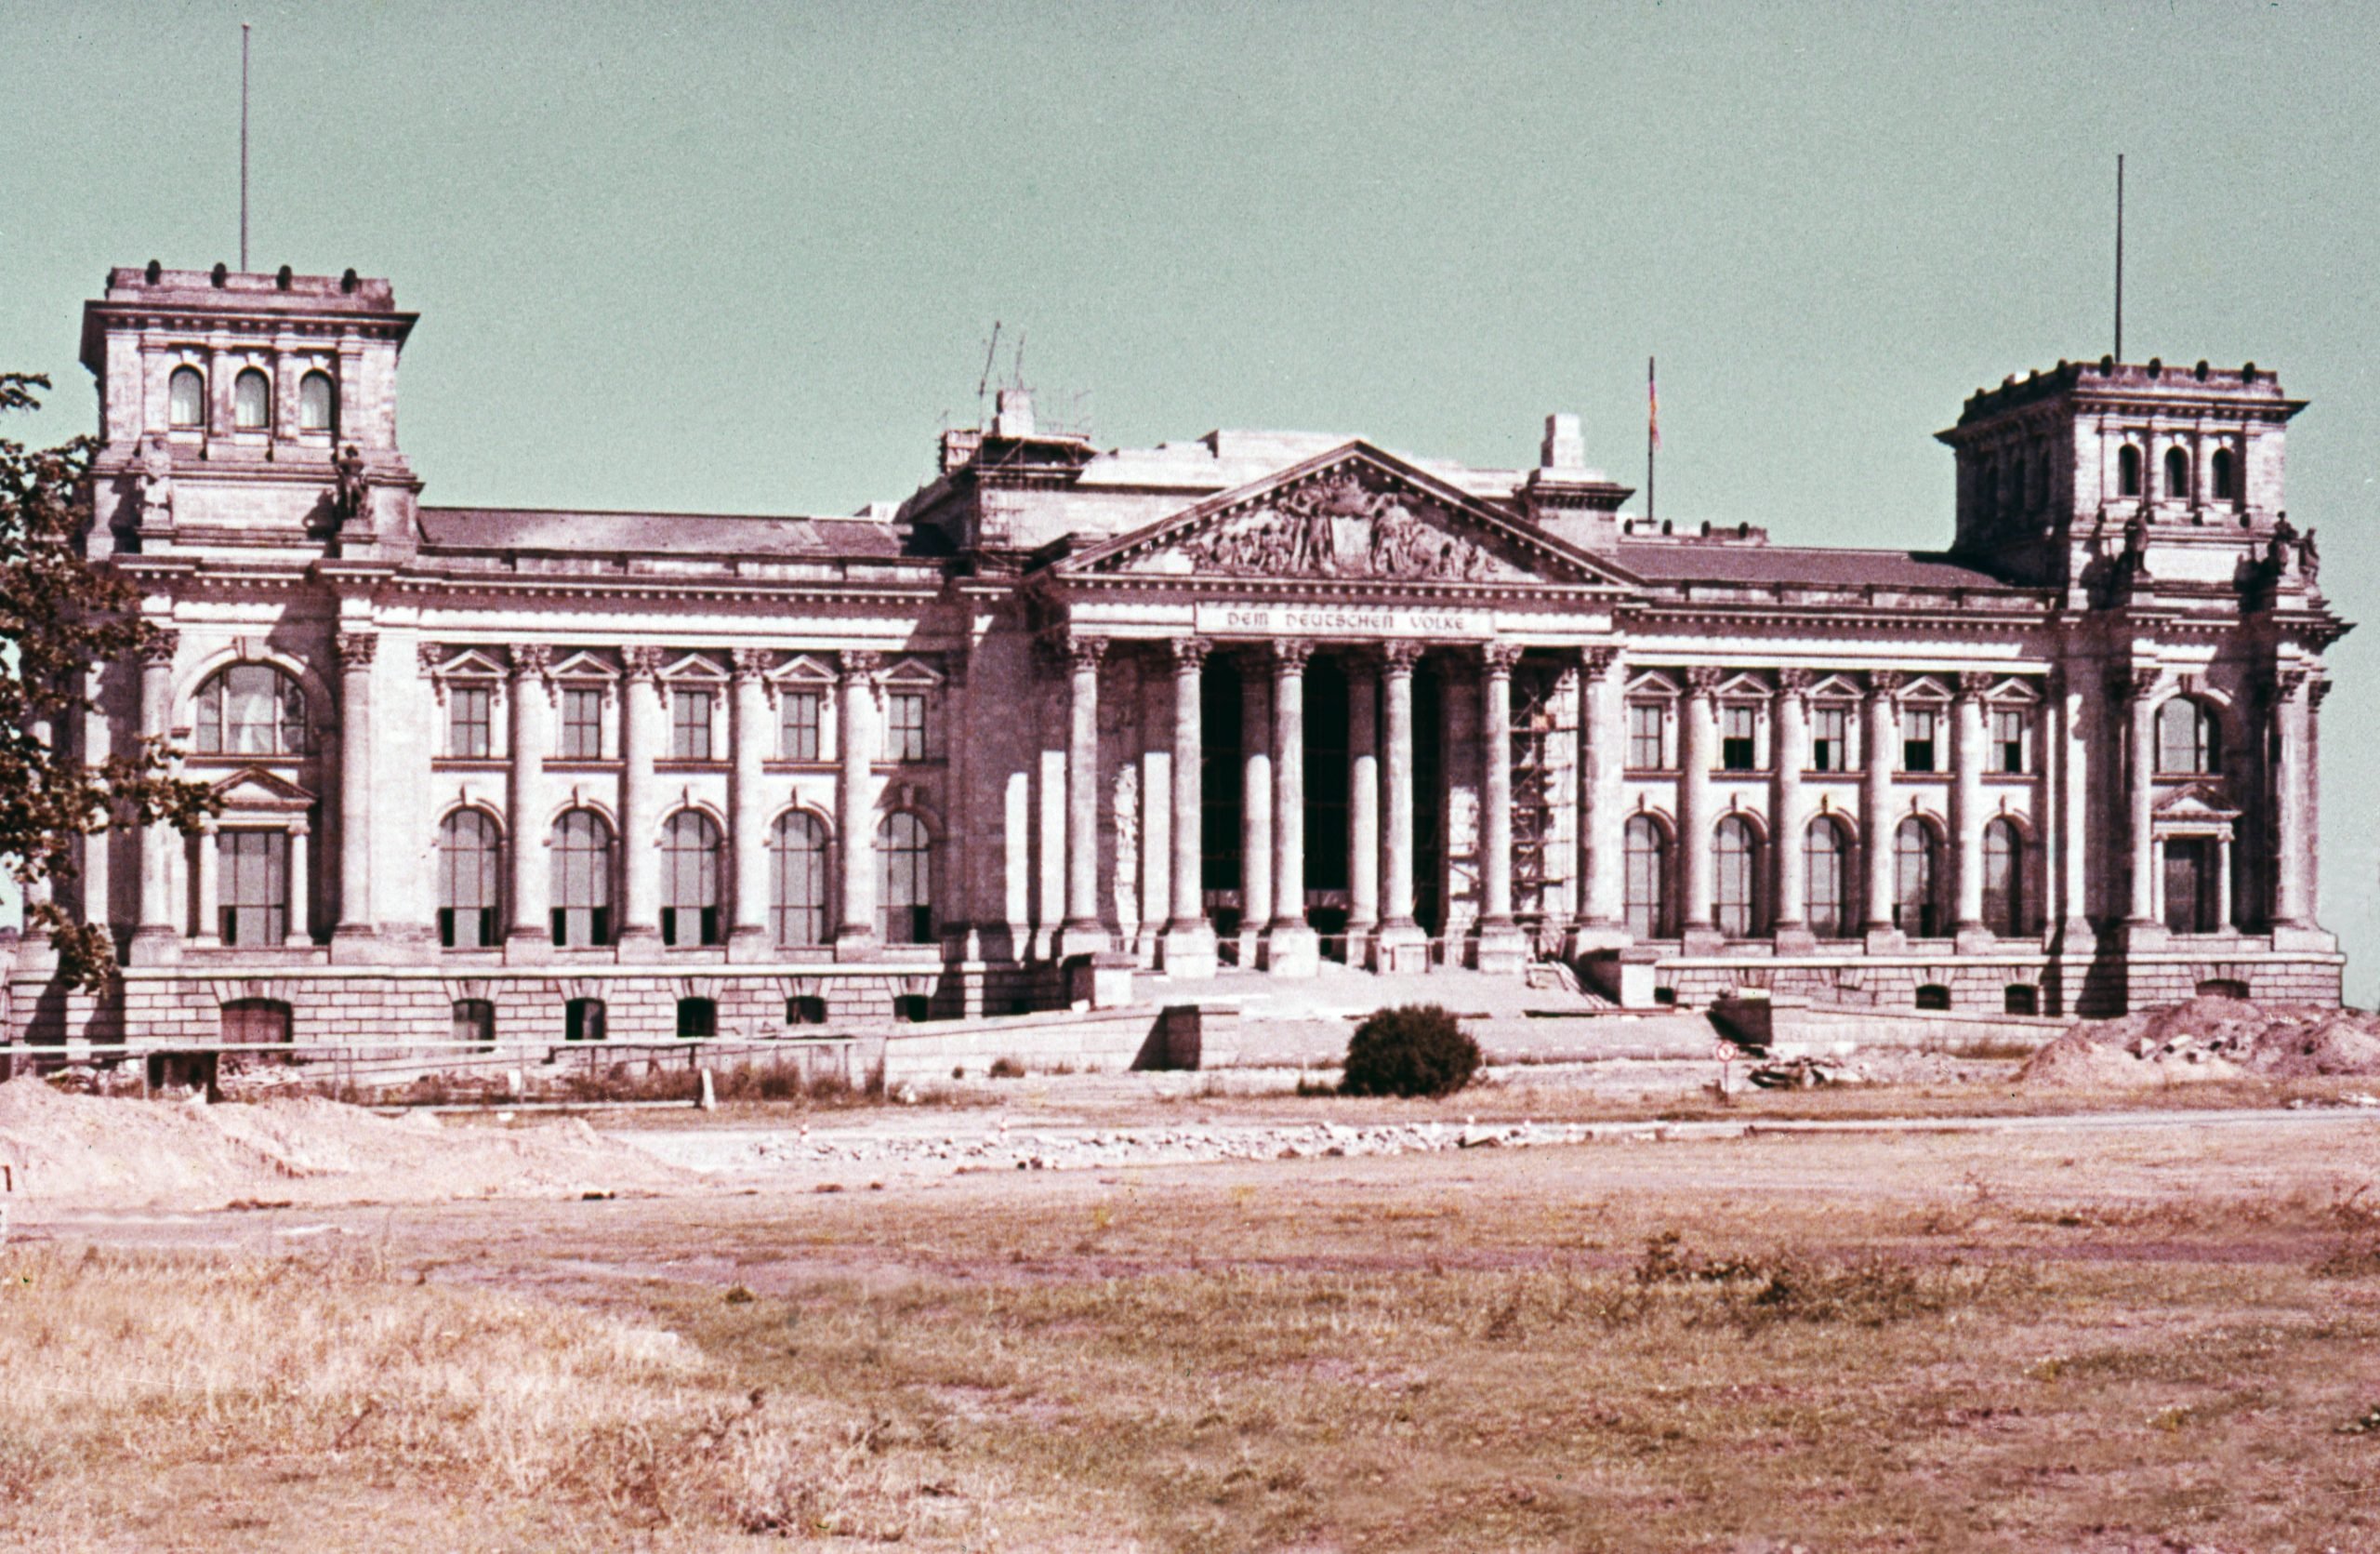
244	148
2119	255
991	352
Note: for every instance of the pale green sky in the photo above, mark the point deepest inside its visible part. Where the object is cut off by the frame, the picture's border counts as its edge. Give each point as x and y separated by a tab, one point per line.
744	258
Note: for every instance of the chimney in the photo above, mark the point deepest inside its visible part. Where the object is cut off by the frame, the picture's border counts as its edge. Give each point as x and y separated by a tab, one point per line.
1565	447
1012	413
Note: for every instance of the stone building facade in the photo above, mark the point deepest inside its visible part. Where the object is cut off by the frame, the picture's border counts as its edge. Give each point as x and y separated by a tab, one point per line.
1254	700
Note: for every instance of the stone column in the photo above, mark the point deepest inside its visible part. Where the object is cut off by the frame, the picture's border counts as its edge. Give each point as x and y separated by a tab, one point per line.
94	890
1878	759
1400	946
2138	690
1694	809
2222	882
1255	809
1363	812
1082	933
299	933
355	819
1502	947
2292	908
855	935
1291	945
1789	757
640	736
523	820
155	937
961	929
751	738
1967	813
1603	830
2069	692
1187	948
209	934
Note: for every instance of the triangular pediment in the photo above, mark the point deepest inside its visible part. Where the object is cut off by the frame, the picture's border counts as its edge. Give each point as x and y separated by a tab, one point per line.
1353	514
1836	687
583	665
251	789
2195	802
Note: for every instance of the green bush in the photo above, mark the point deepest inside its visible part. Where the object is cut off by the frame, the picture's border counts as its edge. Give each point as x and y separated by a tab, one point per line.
1416	1049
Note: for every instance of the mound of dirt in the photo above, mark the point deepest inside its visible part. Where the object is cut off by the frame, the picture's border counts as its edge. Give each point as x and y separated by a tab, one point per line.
87	1150
2210	1037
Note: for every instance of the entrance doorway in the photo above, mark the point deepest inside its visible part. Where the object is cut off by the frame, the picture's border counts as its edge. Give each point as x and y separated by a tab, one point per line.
2192	900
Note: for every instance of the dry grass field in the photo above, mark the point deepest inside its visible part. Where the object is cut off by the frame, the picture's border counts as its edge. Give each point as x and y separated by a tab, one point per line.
2160	1337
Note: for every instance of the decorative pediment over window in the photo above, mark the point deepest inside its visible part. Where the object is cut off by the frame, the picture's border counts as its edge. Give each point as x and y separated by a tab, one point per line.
803	671
1354	514
1924	688
1836	687
583	665
1746	686
471	663
1654	683
2194	804
2012	691
253	791
697	667
912	673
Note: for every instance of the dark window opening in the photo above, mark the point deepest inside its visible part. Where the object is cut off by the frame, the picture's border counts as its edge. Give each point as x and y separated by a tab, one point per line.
2021	999
805	1009
2177	474
2008	740
474	1022
1829	739
1219	799
2222	986
582	1020
1736	741
911	1008
697	1017
1933	995
255	1022
1917	728
1329	779
2128	471
2192	905
2227	486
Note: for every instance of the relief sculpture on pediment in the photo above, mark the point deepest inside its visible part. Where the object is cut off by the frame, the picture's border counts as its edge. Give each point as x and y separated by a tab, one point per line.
1340	526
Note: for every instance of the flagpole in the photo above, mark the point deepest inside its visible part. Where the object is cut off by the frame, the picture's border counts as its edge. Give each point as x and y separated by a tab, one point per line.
1652	434
244	148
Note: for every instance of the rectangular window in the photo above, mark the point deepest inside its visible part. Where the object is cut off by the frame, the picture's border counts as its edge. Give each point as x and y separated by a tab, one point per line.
689	725
469	722
799	732
905	727
253	882
582	723
1644	737
1736	744
1829	739
2008	741
1917	740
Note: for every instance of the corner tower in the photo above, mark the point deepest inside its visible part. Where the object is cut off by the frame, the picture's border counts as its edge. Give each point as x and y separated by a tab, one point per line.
2061	474
255	411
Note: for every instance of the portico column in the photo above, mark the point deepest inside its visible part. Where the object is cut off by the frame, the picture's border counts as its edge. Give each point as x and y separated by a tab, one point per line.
2138	688
155	937
1082	932
210	887
1876	800
1400	944
855	935
2070	690
1966	809
1255	809
355	825
2291	908
1694	807
299	930
1290	947
1363	811
748	803
2222	882
1187	949
1790	755
1502	946
1607	761
523	823
639	740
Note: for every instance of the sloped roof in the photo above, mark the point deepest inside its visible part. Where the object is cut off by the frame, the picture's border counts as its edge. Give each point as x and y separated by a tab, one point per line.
489	528
1802	566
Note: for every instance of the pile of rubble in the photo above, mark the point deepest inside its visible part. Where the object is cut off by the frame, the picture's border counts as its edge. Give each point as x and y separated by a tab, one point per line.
2210	1038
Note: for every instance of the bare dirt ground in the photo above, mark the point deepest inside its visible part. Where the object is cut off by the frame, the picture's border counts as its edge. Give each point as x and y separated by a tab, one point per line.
2021	1318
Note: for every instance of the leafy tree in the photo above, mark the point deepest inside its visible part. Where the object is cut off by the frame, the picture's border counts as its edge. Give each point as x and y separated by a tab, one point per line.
59	615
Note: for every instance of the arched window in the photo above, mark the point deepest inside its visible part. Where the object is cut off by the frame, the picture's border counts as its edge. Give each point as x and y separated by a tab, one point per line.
2226	475
798	880
317	402
1735	854
250	709
2187	740
186	400
470	861
690	879
2128	470
2177	474
1917	874
582	852
1826	856
251	401
1648	878
2004	879
905	856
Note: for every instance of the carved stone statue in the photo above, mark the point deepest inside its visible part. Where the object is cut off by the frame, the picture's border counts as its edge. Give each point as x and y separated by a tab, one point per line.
2310	560
354	486
152	480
